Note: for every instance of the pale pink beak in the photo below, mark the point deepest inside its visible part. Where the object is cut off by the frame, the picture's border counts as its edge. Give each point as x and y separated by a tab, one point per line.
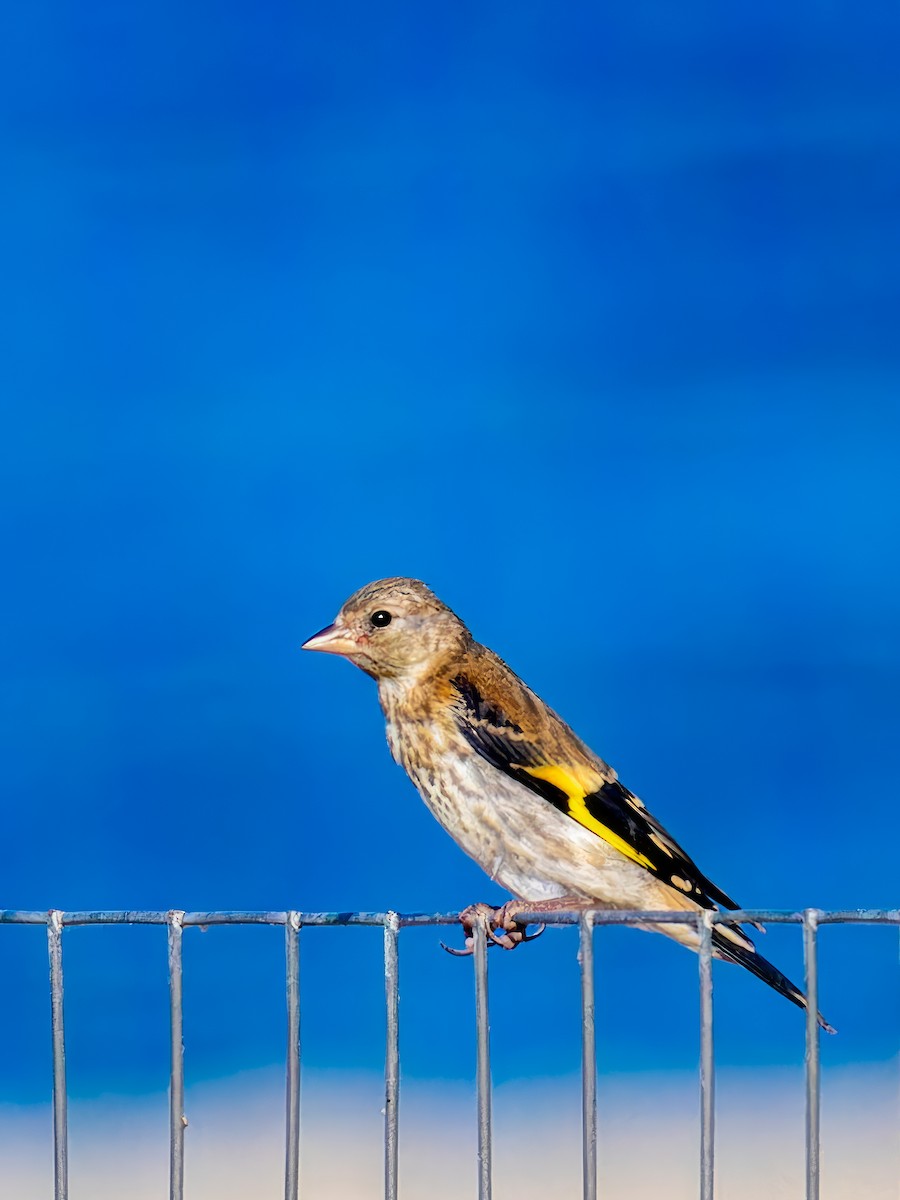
331	640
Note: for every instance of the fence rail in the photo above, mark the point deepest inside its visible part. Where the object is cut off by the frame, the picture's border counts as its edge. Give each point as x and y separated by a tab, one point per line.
176	921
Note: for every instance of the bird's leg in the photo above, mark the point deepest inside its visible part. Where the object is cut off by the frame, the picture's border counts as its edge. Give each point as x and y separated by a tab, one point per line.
506	917
474	915
503	926
511	932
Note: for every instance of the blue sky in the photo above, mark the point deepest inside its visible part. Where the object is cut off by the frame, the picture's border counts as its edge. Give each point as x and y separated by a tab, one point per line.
586	318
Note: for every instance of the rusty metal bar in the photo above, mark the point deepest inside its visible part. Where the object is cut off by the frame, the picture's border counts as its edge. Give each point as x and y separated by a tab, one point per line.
769	916
391	1054
177	1120
813	1083
292	1067
53	920
853	916
707	1075
588	1059
483	1066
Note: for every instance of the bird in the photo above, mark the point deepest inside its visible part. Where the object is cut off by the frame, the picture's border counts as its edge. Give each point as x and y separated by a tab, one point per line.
543	815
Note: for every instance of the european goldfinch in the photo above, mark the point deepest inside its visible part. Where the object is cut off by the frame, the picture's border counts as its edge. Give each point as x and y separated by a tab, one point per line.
543	815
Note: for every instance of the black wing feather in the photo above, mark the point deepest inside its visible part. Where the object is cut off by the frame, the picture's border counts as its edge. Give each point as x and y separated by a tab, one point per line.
614	806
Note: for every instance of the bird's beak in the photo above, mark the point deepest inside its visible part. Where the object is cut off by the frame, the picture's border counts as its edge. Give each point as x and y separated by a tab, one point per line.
331	640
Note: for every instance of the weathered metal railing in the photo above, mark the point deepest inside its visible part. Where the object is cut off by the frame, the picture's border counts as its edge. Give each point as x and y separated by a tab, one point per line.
810	920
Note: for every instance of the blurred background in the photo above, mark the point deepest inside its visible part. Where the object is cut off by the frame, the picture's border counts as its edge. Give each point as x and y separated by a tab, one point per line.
587	317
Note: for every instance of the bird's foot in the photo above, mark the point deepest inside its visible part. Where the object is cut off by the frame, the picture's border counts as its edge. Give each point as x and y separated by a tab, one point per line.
500	924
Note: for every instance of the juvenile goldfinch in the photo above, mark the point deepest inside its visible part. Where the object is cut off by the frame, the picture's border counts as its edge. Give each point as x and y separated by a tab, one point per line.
543	815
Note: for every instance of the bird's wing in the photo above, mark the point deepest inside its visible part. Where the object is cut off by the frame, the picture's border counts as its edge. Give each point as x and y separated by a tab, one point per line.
510	727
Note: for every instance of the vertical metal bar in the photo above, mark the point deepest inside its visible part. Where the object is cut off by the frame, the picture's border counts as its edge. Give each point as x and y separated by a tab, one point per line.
588	1058
391	1053
707	1075
292	1072
483	1069
177	1120
60	1117
813	1083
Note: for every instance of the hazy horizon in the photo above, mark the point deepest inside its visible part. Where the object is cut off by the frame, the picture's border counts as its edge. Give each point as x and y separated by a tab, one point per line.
647	1138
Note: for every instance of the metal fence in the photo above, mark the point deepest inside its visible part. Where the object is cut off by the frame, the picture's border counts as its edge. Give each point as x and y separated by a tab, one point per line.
175	921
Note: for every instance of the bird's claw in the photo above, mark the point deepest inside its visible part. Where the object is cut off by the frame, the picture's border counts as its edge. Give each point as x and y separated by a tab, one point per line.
470	949
515	935
500	925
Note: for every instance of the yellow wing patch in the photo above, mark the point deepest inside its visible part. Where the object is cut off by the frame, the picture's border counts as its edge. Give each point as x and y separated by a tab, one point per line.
577	794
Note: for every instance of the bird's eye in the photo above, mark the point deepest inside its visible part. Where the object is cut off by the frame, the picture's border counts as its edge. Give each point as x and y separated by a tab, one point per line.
380	619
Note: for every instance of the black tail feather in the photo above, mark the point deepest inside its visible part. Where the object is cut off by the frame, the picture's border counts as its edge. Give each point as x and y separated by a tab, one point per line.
744	956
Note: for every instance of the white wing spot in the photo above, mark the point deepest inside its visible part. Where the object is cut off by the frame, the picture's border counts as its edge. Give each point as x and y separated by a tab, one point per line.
657	841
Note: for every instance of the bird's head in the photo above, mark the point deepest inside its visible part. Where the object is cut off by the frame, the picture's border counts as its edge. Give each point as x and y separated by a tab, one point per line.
393	629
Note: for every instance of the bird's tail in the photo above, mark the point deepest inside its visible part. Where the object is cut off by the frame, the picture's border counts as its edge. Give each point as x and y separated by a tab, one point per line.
745	954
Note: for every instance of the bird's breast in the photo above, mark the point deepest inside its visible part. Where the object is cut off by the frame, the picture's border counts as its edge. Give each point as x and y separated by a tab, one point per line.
519	840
